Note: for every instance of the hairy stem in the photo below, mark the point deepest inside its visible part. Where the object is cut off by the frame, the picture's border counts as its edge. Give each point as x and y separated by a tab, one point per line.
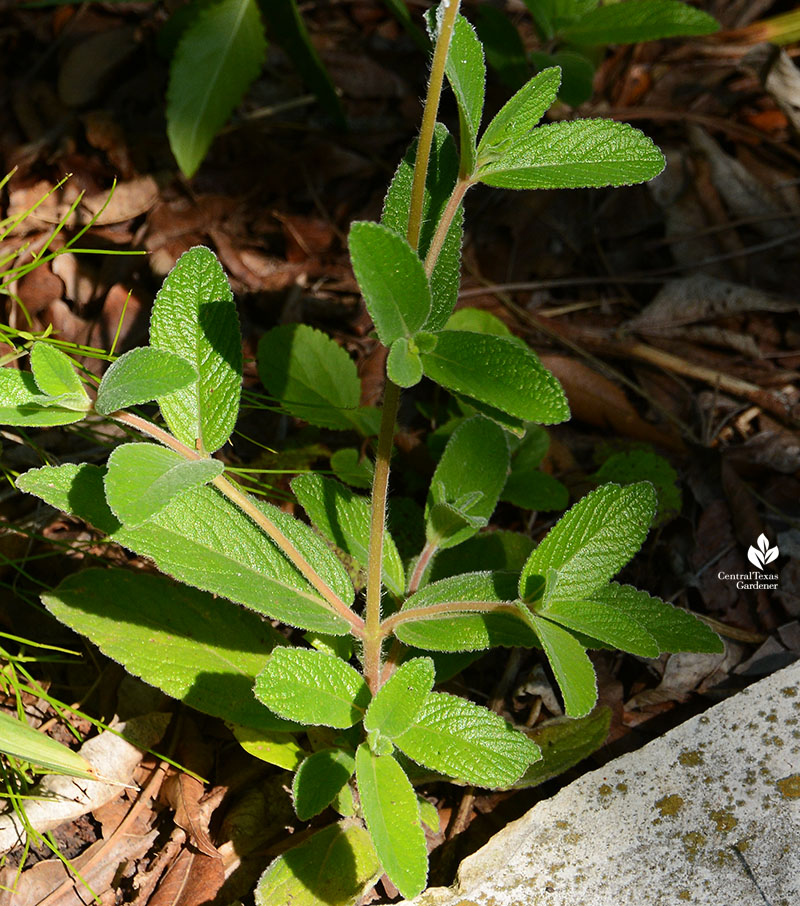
447	608
459	191
373	630
429	122
249	508
373	638
422	564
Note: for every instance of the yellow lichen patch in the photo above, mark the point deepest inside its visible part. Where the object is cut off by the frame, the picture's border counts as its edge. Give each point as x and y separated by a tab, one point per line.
604	789
562	824
622	787
690	759
685	894
693	842
724	819
789	691
670	805
789	787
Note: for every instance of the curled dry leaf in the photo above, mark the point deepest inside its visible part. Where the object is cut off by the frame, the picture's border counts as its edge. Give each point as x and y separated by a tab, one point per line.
702	297
596	400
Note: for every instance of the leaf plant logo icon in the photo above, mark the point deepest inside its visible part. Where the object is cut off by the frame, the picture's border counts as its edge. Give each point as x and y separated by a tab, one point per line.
761	553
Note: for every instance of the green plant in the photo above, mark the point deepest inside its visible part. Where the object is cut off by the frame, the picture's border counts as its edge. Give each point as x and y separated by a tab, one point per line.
573	34
361	687
225	41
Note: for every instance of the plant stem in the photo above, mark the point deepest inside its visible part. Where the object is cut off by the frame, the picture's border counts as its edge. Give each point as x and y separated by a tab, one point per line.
373	631
447	608
373	637
459	191
422	564
429	122
248	506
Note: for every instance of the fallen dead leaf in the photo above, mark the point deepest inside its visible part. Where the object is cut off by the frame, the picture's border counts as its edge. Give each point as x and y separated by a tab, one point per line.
193	879
596	400
701	297
40	883
89	66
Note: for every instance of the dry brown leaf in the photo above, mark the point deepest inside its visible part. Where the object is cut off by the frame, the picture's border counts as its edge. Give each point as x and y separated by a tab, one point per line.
91	63
130	199
779	76
41	882
193	879
66	798
743	194
701	297
595	400
193	810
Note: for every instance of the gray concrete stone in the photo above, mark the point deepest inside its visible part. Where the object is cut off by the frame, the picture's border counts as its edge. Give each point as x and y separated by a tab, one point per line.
709	814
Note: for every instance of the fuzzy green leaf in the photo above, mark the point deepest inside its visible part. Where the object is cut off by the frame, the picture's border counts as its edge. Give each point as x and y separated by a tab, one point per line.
312	688
565	741
271	746
204	541
577	74
333	867
604	623
466	742
535	491
639	20
396	706
310	375
672	628
219	54
390	809
54	373
478	320
590	543
392	279
575	154
190	644
471	630
194	316
142	478
442	175
572	668
526	486
23	404
344	517
469	478
142	375
349	467
493	551
319	779
510	378
519	115
645	465
466	72
403	365
20	741
502	44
